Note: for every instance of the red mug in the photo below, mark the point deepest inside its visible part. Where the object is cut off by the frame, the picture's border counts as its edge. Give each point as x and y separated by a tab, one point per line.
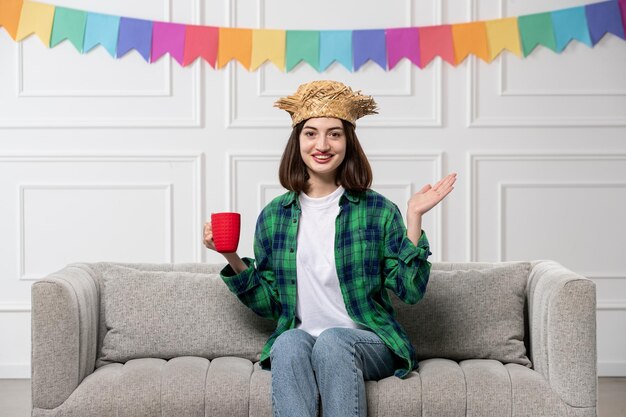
226	228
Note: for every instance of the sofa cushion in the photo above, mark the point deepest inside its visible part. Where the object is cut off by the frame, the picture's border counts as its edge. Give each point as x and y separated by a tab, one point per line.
470	314
164	314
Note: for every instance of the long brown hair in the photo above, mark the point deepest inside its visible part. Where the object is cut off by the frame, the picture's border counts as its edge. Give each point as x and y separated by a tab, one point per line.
354	173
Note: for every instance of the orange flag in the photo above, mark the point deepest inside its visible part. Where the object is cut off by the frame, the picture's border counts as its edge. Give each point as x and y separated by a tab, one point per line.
10	11
503	34
470	38
234	43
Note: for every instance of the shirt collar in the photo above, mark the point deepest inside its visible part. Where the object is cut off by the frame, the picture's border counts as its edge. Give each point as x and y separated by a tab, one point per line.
291	197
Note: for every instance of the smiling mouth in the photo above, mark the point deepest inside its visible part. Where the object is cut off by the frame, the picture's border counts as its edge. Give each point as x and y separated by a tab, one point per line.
322	158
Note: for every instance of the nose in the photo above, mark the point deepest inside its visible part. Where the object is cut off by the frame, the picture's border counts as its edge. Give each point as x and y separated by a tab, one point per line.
322	144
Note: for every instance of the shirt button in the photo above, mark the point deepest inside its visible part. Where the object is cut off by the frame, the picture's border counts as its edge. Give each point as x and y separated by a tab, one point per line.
295	220
291	250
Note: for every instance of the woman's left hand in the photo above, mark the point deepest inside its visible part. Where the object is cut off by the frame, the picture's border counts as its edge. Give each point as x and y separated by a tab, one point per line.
428	197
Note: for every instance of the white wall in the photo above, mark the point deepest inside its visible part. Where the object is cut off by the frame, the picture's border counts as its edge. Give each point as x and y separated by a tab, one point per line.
104	159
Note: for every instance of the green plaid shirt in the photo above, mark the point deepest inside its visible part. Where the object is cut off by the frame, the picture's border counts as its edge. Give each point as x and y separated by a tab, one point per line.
372	254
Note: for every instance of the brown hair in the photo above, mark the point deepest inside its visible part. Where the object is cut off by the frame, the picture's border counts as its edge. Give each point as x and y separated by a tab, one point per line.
354	173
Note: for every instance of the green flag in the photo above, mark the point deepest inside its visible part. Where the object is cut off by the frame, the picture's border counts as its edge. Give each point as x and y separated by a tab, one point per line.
69	24
303	45
536	29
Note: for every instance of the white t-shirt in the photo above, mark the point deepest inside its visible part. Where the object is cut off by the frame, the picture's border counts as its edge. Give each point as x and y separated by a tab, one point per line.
319	304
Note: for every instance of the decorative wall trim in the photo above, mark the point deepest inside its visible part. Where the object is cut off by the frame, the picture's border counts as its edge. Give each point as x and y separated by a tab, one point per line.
15	371
22	188
15	307
474	158
195	118
196	160
611	305
503	186
613	368
475	120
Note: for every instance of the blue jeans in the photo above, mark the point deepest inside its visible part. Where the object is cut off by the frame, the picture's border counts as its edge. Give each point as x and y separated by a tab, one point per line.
334	366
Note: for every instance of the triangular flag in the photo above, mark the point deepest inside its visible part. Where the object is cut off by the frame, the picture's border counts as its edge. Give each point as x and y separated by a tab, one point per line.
402	43
168	38
604	18
201	41
268	45
369	44
436	41
503	34
69	24
470	38
135	34
570	24
102	29
36	18
10	11
335	45
234	43
303	45
536	29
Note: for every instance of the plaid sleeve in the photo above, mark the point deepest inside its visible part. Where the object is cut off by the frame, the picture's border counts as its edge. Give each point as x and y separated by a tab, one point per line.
406	268
255	287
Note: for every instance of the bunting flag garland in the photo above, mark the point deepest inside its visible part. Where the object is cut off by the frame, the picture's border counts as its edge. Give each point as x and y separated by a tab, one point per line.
286	49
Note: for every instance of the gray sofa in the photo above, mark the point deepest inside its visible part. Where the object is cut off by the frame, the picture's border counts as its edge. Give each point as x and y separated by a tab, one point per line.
493	339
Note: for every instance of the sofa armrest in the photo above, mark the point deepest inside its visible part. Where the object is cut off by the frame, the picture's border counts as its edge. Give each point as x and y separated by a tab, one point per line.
64	331
562	321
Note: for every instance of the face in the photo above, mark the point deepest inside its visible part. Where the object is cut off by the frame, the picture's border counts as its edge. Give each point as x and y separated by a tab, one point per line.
323	146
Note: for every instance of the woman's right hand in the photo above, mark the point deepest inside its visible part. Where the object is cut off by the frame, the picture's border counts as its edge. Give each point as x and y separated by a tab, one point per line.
208	236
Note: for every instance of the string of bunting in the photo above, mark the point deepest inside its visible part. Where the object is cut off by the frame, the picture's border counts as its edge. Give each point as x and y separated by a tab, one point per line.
319	48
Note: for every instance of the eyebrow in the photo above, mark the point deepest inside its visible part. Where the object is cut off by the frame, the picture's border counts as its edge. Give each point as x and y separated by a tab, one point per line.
314	128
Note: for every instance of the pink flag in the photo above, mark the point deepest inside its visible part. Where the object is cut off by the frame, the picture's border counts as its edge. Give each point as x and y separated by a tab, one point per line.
436	40
402	43
201	41
168	37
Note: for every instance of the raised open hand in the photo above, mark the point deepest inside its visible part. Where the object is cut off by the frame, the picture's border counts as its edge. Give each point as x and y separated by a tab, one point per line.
428	197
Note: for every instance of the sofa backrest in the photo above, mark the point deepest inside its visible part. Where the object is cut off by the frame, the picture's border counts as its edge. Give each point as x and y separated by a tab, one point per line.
470	310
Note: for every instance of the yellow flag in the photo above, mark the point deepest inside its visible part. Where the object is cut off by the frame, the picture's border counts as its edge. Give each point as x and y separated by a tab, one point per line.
36	18
234	43
503	34
268	44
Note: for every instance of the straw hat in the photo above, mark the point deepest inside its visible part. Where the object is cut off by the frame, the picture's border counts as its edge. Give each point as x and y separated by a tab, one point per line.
326	98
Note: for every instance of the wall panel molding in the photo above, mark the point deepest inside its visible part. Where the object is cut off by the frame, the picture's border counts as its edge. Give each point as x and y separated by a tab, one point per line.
195	160
475	158
168	220
503	186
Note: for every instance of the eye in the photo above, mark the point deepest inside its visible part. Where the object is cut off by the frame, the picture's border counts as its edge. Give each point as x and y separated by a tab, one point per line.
308	133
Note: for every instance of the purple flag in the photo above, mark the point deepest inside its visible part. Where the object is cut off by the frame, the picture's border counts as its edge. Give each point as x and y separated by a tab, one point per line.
622	5
168	37
401	43
604	18
369	44
135	34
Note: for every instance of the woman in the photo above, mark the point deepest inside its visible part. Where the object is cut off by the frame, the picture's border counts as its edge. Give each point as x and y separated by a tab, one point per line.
325	253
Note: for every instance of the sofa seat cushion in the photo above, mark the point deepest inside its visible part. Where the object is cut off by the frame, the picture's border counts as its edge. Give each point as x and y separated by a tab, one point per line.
228	386
185	386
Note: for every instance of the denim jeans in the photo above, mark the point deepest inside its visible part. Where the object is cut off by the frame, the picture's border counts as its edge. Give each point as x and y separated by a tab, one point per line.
334	366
